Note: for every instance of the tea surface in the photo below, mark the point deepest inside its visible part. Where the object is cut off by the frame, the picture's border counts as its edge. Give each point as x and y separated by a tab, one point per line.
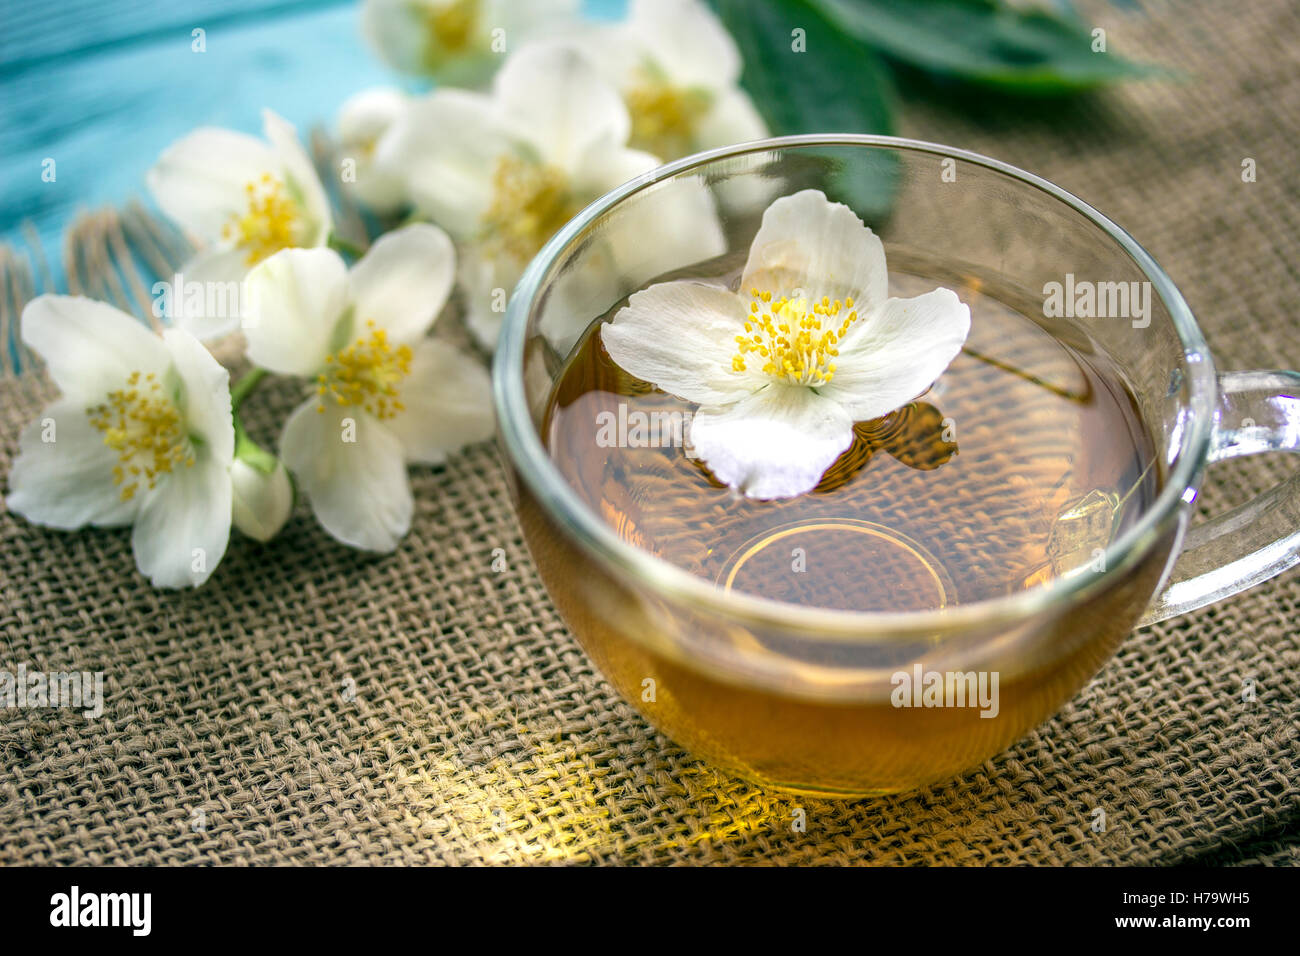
1019	465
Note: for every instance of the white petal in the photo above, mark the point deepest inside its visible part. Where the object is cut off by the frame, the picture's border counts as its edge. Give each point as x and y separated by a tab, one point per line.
89	347
448	403
379	189
403	280
811	244
447	147
262	501
682	337
68	482
358	489
205	396
670	226
485	326
199	180
397	32
556	95
732	118
522	21
777	443
686	41
365	116
208	315
400	32
300	177
578	296
480	276
606	165
295	300
363	121
184	524
894	355
609	47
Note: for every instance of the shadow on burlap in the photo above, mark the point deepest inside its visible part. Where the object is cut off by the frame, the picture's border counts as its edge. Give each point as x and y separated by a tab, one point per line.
479	731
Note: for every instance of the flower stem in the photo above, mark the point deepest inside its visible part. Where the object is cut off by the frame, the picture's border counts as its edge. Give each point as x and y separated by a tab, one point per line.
250	451
245	448
241	389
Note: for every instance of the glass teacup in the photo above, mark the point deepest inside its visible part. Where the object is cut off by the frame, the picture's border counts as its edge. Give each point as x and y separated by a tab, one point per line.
825	716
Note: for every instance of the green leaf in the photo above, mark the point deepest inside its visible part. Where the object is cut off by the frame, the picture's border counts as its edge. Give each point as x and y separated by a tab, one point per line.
804	74
985	41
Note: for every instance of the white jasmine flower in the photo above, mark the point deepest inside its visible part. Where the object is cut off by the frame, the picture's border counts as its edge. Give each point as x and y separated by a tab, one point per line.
363	120
141	434
383	394
457	41
502	172
678	71
263	496
246	198
810	344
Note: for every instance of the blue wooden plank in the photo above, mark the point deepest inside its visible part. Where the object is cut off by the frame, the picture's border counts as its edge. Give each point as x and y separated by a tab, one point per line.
109	92
34	33
104	118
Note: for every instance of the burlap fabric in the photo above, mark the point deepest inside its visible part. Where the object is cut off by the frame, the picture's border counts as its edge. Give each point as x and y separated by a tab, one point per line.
315	706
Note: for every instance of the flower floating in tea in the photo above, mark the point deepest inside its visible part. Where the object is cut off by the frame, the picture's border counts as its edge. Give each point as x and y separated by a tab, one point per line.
810	344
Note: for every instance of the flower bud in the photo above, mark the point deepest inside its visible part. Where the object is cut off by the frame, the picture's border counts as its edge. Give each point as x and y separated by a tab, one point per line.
262	500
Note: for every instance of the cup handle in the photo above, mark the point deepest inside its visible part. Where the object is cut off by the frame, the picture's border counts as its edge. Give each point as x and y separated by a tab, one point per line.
1258	412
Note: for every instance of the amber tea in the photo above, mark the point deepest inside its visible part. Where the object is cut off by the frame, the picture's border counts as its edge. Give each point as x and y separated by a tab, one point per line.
1021	464
1017	467
846	555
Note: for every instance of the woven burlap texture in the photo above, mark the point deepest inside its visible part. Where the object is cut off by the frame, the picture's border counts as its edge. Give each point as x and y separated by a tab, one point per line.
311	705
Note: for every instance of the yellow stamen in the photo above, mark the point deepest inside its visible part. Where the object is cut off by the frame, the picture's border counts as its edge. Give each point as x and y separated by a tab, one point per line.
451	26
664	117
366	374
142	424
791	336
530	202
272	222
